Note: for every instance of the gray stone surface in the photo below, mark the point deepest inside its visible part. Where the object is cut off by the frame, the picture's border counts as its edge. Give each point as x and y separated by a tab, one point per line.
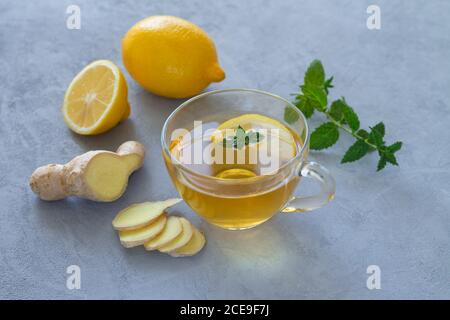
397	219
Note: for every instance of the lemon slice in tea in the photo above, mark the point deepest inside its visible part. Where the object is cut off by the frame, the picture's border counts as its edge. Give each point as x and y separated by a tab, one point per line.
259	123
253	121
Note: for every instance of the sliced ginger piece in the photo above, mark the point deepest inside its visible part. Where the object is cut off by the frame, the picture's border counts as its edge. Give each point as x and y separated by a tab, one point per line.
137	237
172	229
141	214
181	239
96	175
194	245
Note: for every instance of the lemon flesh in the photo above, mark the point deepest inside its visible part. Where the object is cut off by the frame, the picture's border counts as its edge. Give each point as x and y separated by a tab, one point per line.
96	99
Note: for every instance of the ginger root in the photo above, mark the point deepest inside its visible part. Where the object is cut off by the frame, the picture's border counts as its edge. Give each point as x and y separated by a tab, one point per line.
96	175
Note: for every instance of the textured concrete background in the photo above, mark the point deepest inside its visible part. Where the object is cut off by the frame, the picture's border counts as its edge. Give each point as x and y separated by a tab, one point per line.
397	219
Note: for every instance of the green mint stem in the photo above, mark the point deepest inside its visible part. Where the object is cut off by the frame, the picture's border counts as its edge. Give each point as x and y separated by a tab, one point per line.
354	134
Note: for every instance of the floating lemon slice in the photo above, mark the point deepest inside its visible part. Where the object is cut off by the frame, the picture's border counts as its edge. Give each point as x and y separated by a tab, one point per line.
235	174
267	126
96	99
253	121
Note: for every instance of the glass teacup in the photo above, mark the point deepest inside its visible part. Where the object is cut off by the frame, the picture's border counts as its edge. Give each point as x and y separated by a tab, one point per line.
245	200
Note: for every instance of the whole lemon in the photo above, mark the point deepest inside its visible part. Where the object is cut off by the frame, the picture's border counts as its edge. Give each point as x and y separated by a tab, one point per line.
170	56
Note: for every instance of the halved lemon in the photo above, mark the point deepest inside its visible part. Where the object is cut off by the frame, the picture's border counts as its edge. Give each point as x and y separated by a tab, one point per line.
97	99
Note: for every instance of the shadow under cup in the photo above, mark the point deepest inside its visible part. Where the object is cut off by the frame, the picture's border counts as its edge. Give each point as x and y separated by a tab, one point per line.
235	203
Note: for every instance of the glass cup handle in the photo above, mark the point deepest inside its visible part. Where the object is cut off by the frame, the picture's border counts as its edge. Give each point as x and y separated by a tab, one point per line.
314	171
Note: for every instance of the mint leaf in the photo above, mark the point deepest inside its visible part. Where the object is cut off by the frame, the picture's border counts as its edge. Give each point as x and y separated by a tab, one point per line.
381	163
240	137
316	93
395	147
350	116
259	137
386	157
290	115
390	157
315	74
375	137
305	106
380	128
356	151
328	84
362	133
324	136
253	137
336	110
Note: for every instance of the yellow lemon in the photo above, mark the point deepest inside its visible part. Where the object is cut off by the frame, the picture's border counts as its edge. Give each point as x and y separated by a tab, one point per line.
170	57
96	99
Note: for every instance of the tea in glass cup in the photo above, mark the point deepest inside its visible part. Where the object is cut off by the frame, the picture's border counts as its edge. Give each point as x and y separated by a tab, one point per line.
236	161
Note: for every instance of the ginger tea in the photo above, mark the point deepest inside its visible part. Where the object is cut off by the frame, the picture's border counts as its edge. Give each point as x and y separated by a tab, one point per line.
245	158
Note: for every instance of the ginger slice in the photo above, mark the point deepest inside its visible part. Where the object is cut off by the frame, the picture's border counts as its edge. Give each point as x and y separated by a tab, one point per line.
192	247
137	237
181	239
172	229
141	214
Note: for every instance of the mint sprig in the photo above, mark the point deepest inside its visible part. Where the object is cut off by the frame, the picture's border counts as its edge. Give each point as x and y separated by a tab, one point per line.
313	96
242	138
